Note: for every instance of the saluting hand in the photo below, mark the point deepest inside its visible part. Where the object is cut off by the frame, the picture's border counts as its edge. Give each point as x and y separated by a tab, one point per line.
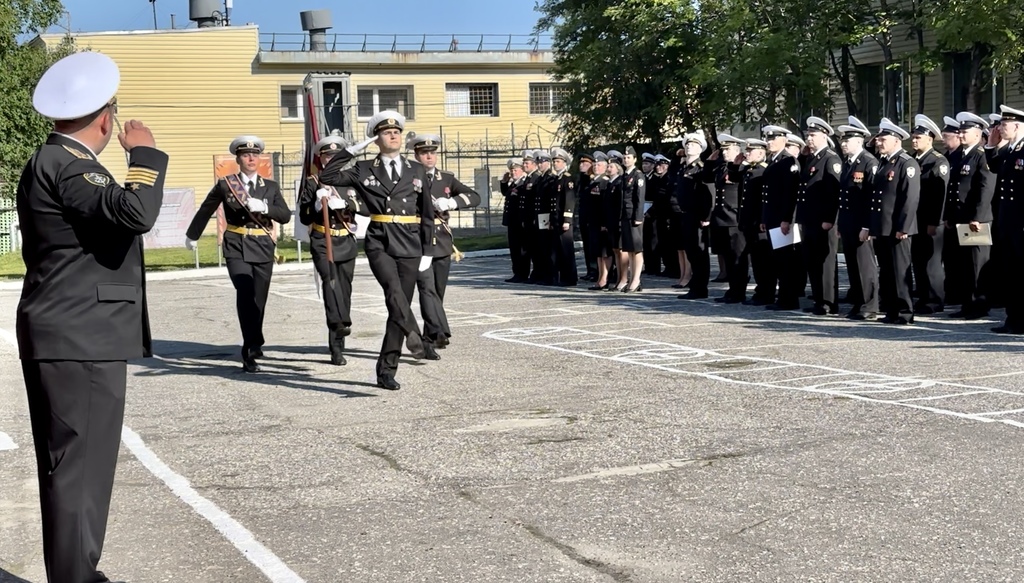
135	133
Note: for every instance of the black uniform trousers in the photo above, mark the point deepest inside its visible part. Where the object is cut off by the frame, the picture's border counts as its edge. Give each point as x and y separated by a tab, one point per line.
540	255
667	248
819	248
1012	256
789	272
517	250
76	409
431	284
589	256
953	288
336	287
730	242
970	262
862	267
564	257
397	277
695	244
757	251
252	286
652	251
894	267
929	277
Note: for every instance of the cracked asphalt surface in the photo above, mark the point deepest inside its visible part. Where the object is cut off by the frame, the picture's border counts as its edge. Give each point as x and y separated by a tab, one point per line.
565	436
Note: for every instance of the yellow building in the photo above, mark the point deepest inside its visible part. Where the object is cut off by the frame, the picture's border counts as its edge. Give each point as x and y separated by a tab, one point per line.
199	88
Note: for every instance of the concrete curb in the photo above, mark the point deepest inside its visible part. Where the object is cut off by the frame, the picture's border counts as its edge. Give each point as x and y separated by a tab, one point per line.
204	272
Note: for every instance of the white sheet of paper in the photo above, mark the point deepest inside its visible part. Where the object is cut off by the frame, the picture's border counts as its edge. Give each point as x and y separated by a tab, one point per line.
967	237
647	206
779	240
544	221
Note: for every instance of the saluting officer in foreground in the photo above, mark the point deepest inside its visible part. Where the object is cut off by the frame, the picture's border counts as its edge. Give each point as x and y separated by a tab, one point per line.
251	205
82	313
336	277
896	192
448	194
399	239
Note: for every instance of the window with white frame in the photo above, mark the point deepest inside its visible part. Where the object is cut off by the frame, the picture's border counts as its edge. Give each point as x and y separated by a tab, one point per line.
545	98
291	102
476	100
376	99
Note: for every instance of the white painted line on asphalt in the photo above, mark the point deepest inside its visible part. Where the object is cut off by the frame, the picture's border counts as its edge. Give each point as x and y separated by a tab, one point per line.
855	388
267	562
950	396
651	468
6	443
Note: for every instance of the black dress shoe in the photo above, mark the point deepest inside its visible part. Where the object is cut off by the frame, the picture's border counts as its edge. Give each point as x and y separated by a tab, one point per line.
442	342
720	279
515	279
414	342
248	364
863	316
783	307
388	382
344	331
694	295
430	353
756	301
338	359
256	353
901	320
1004	329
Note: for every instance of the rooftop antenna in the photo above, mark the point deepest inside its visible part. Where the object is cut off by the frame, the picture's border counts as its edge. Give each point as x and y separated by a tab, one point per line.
153	2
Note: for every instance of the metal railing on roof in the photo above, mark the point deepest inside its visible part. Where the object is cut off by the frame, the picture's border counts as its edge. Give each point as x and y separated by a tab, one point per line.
421	43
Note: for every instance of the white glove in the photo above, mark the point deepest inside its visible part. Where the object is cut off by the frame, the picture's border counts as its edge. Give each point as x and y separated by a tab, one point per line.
320	196
425	262
445	204
190	244
336	203
357	148
257	206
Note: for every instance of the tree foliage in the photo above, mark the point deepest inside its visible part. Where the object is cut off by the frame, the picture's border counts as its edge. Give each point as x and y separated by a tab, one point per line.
21	66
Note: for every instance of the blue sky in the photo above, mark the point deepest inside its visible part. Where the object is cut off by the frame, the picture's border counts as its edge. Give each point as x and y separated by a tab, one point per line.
400	16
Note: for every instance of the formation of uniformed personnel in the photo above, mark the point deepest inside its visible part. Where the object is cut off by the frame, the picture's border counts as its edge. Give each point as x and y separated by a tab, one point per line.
447	194
399	238
854	221
335	276
969	201
926	246
251	206
896	190
83	309
817	205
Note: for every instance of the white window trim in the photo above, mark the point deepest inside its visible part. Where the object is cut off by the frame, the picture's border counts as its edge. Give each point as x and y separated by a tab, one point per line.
550	86
299	99
495	112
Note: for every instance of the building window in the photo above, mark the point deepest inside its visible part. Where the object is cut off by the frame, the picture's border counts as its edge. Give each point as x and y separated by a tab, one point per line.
545	98
291	102
958	82
471	100
871	93
376	99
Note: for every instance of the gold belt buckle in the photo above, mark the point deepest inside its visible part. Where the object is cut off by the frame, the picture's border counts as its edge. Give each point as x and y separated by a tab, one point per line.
394	218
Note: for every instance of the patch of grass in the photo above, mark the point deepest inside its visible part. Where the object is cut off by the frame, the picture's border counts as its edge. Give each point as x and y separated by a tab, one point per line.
12	266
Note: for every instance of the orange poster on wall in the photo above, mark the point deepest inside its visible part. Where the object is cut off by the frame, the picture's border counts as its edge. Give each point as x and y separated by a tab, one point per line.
224	165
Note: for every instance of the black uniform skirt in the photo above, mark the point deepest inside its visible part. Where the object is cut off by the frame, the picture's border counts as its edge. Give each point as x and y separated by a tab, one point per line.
631	238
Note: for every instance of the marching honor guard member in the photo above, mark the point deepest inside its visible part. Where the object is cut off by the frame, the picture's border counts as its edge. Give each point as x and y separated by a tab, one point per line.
399	238
336	275
448	194
251	205
926	245
895	195
83	310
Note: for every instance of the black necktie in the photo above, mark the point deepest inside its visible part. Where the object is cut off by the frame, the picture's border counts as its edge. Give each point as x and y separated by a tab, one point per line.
252	190
394	172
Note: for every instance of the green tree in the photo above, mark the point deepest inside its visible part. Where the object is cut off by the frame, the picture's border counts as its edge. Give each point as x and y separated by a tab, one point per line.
21	66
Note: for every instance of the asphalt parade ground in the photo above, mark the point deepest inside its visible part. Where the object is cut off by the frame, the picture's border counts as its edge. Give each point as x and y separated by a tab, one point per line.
566	435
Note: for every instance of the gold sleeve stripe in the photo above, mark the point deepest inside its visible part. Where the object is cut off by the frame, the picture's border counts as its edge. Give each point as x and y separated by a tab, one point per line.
78	153
146	177
567	214
464	198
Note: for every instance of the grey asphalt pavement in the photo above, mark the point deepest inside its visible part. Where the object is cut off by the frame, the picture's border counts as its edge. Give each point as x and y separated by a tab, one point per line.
565	436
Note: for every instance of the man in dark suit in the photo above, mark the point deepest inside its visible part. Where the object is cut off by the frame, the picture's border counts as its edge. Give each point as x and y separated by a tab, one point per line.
510	218
926	245
336	276
778	204
727	237
399	239
564	256
969	201
83	311
817	205
251	206
757	250
895	195
448	194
